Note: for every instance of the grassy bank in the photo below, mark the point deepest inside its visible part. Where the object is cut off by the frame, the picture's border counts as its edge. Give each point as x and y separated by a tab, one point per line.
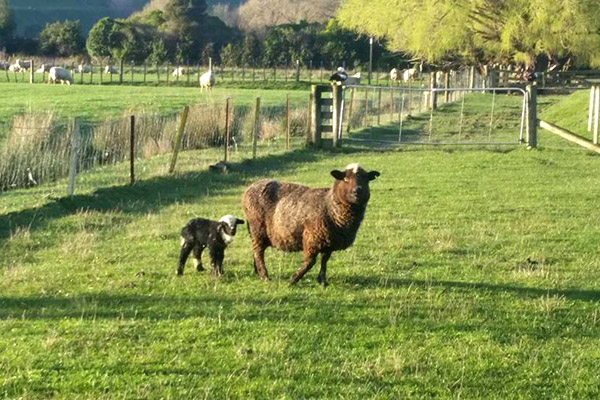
474	275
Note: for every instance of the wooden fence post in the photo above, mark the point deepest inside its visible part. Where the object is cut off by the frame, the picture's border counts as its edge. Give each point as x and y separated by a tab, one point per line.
315	115
378	107
591	107
447	86
145	71
532	115
433	86
297	70
309	119
287	122
472	77
31	71
101	71
226	156
91	73
132	149
350	109
178	137
256	129
75	144
336	131
366	122
596	111
121	70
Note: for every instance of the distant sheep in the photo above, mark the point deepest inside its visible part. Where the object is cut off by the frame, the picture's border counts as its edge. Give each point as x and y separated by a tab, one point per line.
14	68
292	217
179	71
394	75
353	79
24	65
43	68
207	80
109	69
60	75
200	233
409	75
4	66
84	68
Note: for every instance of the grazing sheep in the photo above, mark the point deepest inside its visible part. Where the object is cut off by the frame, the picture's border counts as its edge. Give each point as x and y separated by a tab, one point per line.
23	64
394	75
14	68
199	233
179	71
109	69
207	80
292	217
409	75
43	68
60	74
84	68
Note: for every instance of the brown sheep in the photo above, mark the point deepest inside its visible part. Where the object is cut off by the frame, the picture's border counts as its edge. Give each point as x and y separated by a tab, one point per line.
292	217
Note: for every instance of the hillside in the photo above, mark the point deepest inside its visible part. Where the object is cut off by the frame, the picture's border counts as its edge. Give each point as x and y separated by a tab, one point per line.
32	15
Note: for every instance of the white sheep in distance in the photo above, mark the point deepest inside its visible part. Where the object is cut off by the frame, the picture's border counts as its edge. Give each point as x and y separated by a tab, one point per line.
179	71
207	80
60	74
23	64
43	68
84	68
394	75
109	69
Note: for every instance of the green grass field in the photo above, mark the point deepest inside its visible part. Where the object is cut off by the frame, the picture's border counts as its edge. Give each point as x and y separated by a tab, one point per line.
474	275
96	103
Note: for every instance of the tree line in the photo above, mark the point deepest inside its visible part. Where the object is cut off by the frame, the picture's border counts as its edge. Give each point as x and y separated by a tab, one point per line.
182	32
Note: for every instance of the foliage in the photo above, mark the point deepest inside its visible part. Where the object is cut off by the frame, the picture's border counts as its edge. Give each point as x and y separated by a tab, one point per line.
230	55
159	53
62	39
284	44
250	51
120	39
103	37
482	30
7	22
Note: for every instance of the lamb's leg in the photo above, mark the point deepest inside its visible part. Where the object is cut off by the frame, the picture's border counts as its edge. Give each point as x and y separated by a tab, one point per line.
186	249
216	256
322	277
198	257
309	260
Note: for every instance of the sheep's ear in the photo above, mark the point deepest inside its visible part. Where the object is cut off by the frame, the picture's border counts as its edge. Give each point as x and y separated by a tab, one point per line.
239	221
373	175
339	175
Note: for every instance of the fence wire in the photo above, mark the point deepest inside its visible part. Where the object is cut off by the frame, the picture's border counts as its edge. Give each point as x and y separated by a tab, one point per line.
37	148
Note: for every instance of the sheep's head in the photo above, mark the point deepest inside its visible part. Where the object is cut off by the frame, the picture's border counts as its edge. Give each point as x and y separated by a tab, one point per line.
352	184
228	225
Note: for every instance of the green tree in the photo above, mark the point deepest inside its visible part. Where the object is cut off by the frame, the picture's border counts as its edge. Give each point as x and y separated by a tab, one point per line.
159	53
230	55
7	23
287	43
481	30
103	38
250	51
208	52
62	39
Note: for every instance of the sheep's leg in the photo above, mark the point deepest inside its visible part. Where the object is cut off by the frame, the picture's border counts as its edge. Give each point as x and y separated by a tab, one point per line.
259	262
309	261
198	258
186	249
322	277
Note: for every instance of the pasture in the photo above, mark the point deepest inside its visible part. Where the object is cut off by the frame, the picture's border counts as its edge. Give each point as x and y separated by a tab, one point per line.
474	275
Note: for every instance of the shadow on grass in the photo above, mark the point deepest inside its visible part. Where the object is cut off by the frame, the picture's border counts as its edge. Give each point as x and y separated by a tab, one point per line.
152	194
527	292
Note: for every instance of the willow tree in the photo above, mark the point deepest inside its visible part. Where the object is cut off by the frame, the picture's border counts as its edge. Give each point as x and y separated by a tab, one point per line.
522	31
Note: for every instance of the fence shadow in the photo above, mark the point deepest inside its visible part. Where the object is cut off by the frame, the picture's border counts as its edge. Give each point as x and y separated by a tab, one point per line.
152	194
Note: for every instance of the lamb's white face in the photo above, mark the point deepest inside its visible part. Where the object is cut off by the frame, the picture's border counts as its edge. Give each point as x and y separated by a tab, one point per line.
231	224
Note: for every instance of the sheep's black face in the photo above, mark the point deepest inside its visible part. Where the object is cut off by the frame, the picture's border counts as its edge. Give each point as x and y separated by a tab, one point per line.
352	184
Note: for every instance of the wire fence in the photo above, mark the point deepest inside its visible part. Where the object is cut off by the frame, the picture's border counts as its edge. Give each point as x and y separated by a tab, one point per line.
37	148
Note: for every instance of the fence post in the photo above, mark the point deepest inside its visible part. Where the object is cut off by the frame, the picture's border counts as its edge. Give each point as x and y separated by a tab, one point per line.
178	137
596	107
91	73
101	71
121	70
81	74
379	107
472	77
447	86
132	72
297	70
157	73
315	115
31	71
132	149
350	109
256	127
336	131
532	115
591	107
366	122
75	144
287	122
227	138
168	73
433	85
309	119
145	71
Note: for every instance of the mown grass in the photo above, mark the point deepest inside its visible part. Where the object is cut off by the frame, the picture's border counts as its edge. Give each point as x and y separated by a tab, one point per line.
474	275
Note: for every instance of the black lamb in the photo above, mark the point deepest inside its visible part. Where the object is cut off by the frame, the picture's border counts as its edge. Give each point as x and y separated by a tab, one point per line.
199	233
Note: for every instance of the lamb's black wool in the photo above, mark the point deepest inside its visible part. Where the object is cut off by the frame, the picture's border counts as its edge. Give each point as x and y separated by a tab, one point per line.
200	233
